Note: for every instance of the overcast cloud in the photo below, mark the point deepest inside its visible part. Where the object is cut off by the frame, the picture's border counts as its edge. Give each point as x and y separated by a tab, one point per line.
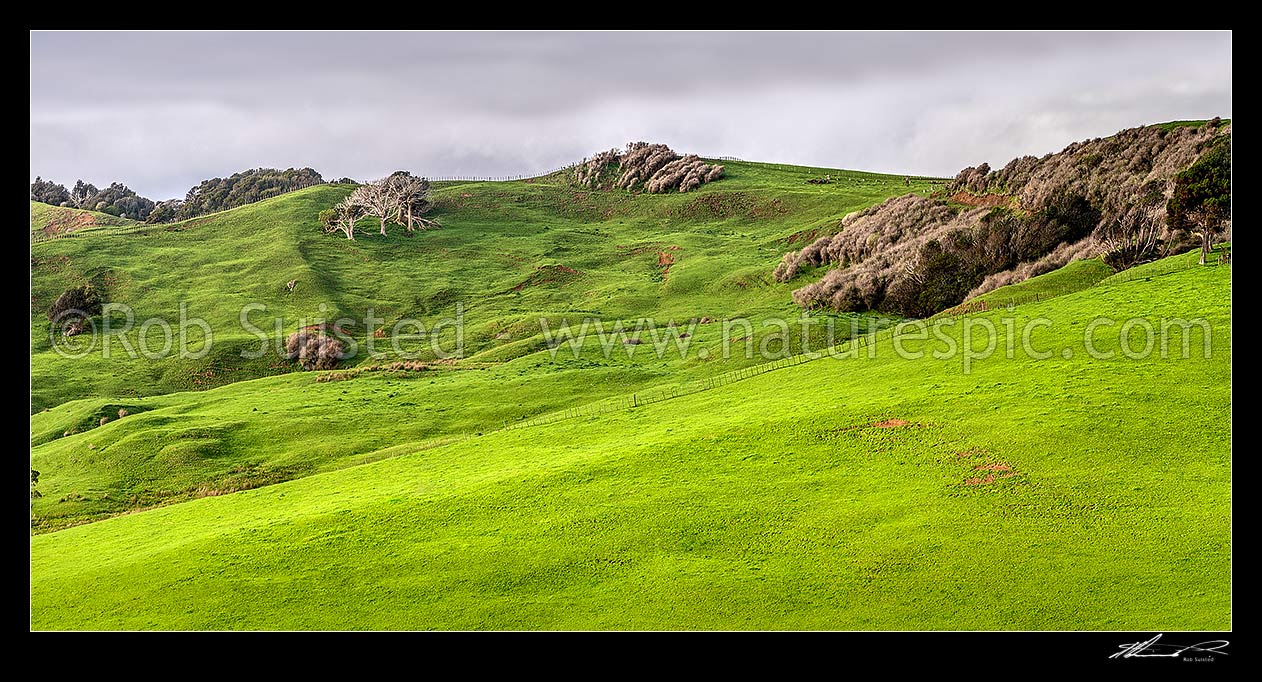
162	111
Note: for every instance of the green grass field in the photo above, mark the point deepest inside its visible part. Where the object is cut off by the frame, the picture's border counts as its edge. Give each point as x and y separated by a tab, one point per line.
497	239
860	493
772	503
498	254
1075	276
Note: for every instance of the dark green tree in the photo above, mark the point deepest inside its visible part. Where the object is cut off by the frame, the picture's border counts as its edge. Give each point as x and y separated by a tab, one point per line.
49	192
246	187
1201	202
165	211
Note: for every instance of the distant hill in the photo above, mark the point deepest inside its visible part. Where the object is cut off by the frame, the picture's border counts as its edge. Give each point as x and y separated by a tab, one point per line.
209	196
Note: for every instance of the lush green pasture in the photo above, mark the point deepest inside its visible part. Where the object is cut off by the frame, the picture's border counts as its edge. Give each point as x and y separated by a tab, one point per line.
1066	493
509	253
1075	276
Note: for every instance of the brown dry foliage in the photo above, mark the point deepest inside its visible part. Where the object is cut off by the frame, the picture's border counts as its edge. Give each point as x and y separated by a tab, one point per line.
598	171
314	349
653	168
917	255
1109	172
1061	256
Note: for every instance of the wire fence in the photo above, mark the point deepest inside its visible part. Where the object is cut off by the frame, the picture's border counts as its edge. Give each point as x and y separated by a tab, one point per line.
529	176
983	306
1169	266
847	348
778	166
498	178
39	236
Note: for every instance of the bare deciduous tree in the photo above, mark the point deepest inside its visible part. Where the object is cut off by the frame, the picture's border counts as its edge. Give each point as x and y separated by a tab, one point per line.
377	200
342	217
401	197
1132	238
411	196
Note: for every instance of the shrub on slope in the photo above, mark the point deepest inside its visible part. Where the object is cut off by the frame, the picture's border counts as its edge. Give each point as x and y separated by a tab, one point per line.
77	302
653	168
314	349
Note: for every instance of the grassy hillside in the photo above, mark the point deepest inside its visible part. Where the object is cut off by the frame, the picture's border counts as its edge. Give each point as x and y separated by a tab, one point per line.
509	252
49	220
866	493
1075	276
1171	125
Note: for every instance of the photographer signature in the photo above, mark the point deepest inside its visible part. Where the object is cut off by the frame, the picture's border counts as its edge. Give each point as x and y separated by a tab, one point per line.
1153	648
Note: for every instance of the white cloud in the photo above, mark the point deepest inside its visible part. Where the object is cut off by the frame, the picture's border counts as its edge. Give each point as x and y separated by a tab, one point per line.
506	103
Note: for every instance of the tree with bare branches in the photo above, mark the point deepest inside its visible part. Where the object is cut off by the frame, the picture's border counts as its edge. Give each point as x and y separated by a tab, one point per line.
1133	237
411	197
377	200
342	217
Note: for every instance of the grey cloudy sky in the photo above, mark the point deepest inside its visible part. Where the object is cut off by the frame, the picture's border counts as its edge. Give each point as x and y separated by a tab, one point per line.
162	111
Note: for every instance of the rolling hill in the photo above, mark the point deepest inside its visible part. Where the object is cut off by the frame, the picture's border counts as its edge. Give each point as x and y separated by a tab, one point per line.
861	493
508	254
704	253
667	489
54	221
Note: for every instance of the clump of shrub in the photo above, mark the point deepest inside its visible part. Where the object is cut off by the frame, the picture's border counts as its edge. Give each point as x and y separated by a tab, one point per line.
653	168
1061	256
77	304
314	349
598	172
642	161
918	255
684	174
1133	238
872	231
